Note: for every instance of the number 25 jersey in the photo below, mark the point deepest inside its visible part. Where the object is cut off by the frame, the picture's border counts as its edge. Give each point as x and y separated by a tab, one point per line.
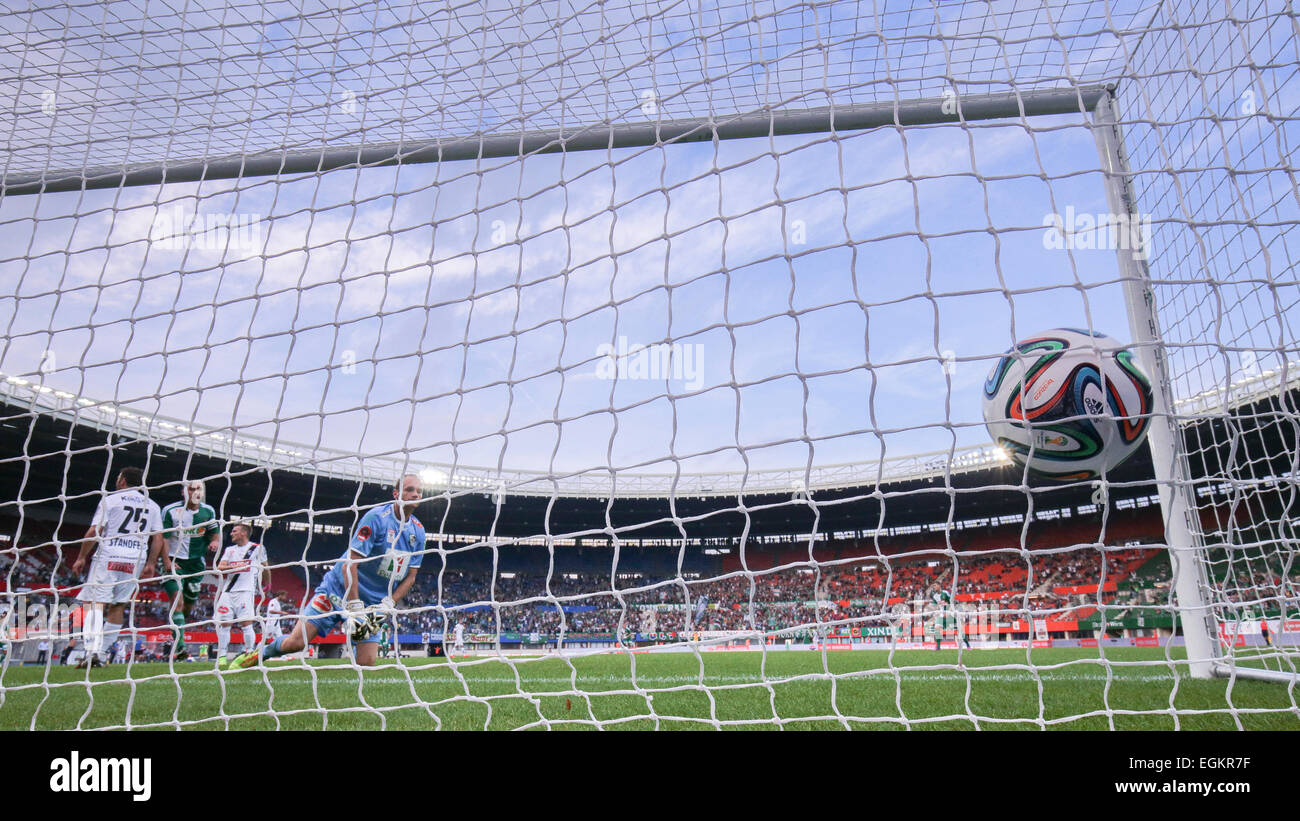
126	520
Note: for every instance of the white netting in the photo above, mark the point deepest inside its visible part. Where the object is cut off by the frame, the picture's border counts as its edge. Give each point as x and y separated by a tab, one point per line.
1209	144
136	82
673	396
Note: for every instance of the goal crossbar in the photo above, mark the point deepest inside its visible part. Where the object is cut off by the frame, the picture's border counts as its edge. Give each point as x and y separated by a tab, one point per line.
769	123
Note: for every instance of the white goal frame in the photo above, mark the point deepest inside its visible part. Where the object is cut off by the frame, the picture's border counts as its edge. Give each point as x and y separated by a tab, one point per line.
1182	530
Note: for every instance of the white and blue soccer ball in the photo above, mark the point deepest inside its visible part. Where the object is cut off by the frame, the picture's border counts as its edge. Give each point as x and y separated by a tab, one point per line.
1068	404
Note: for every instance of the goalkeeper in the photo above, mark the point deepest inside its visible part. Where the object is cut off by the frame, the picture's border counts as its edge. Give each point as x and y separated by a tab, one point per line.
365	585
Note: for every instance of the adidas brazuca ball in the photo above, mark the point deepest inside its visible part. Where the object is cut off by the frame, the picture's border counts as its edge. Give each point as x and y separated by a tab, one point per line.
1069	404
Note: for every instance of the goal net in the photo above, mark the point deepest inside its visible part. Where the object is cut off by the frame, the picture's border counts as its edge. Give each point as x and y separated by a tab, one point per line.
682	315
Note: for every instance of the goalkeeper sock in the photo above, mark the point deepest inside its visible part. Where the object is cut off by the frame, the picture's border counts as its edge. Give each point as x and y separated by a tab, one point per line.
273	650
223	641
249	638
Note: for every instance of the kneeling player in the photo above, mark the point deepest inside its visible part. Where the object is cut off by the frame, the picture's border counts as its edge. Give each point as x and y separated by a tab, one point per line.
121	528
242	565
377	570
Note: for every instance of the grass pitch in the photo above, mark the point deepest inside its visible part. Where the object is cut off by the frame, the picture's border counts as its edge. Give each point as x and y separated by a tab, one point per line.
1130	689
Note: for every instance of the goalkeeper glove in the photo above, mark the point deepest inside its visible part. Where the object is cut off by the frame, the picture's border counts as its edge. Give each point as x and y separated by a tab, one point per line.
370	624
354	617
375	623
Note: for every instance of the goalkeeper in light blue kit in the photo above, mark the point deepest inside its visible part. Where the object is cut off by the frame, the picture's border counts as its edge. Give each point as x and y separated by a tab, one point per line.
362	590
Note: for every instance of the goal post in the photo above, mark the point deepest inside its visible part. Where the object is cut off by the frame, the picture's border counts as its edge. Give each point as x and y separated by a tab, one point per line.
1182	531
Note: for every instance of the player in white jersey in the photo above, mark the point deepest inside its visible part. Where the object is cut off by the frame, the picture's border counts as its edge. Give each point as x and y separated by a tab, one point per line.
243	573
272	628
127	529
459	647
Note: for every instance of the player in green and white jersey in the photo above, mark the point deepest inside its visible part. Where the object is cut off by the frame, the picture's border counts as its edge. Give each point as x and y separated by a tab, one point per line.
945	616
192	532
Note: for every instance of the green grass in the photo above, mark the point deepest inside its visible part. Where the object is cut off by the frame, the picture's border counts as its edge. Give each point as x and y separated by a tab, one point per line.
989	689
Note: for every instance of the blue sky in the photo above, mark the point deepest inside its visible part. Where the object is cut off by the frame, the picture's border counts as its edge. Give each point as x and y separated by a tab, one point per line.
473	298
367	286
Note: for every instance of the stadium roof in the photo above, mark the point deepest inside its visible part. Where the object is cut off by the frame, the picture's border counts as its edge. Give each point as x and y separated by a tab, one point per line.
230	444
227	443
62	462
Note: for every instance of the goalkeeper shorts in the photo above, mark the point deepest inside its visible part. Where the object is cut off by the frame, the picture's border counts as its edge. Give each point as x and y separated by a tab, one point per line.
324	611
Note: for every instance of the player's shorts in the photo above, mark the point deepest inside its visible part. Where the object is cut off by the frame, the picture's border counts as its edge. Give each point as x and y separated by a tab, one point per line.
111	582
272	629
190	575
234	607
324	610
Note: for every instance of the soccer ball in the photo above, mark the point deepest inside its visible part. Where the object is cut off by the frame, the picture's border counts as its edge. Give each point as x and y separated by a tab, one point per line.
1068	404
